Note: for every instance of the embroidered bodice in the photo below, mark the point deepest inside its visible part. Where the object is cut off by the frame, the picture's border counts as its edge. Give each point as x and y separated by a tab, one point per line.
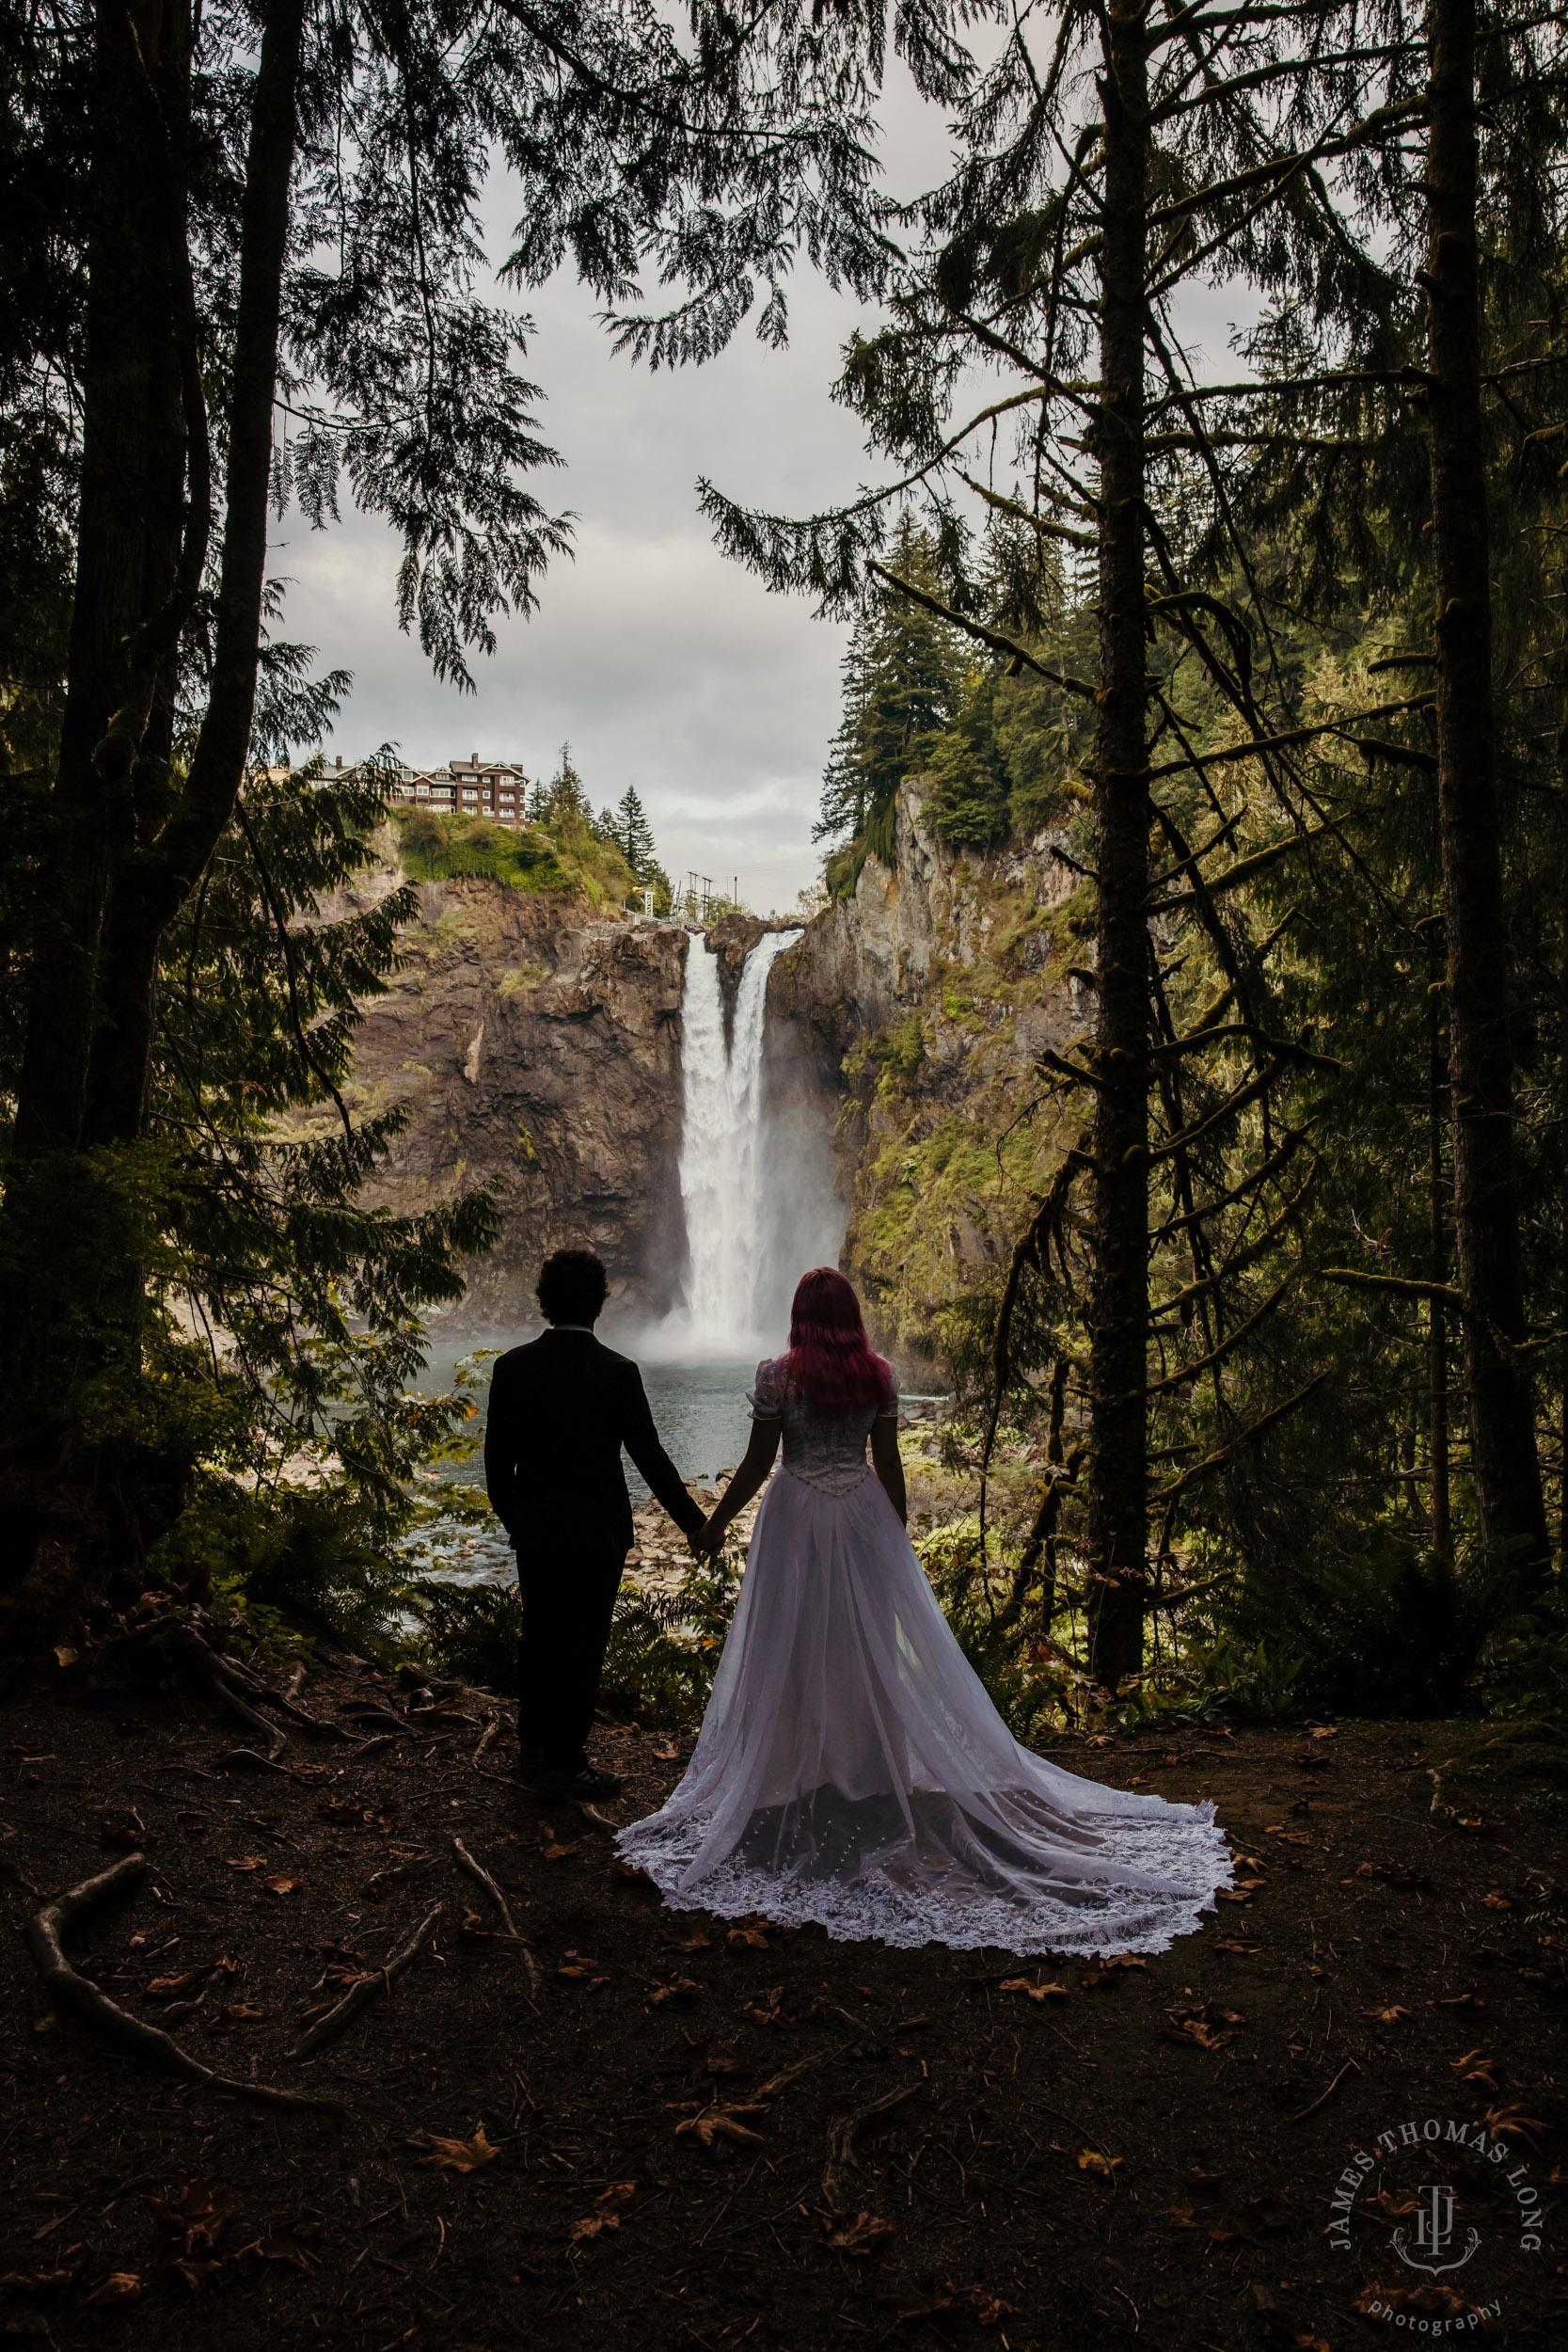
823	1450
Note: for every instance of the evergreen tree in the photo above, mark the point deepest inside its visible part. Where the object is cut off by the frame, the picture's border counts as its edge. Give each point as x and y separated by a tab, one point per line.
903	674
635	835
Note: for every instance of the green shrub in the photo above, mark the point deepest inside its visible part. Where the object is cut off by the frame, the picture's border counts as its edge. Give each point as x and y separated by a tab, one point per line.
269	1552
1396	1631
471	1631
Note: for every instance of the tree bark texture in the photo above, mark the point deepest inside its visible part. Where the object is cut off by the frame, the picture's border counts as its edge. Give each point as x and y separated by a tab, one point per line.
1119	1348
1481	1067
128	539
1437	1263
160	876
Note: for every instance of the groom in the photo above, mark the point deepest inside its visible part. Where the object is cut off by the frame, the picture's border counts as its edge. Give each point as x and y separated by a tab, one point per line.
561	1409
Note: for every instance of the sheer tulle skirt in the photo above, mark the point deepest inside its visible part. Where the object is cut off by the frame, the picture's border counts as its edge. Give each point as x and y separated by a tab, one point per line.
851	1770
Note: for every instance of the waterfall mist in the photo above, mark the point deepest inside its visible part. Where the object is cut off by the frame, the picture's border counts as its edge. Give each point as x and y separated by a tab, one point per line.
757	1181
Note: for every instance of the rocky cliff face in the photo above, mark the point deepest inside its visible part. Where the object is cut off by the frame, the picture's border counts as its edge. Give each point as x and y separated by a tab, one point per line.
926	1000
535	1042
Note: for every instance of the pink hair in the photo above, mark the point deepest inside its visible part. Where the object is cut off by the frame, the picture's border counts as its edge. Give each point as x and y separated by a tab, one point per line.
830	1358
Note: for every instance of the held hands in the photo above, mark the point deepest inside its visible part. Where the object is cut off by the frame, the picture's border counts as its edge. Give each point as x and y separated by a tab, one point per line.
709	1539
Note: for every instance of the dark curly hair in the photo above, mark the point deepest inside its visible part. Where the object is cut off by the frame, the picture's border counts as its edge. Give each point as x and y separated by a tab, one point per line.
572	1286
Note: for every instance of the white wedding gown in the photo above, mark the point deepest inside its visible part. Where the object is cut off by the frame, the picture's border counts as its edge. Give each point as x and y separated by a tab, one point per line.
851	1769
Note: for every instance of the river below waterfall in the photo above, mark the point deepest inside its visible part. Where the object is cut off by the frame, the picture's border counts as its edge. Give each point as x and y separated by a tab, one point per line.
700	1410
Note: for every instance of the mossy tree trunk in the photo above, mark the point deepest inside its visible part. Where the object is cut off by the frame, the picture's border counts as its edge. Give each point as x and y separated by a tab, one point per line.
1118	1375
1509	1496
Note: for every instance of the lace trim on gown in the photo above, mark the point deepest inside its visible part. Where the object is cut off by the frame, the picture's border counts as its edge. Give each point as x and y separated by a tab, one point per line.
852	1769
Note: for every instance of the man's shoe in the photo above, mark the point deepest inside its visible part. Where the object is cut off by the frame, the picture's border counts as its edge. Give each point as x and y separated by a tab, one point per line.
585	1788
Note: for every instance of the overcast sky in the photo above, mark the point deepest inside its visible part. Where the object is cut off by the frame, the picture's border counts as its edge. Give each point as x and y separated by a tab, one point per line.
663	664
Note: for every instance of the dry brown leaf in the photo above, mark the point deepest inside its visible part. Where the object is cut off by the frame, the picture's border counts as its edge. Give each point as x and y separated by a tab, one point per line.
591	2224
861	2234
120	2286
551	1850
196	2211
234	2013
248	1861
696	1939
721	2123
1474	2067
988	2308
1497	1902
618	2193
582	1970
748	1936
1394	2016
172	1988
282	1885
1475	1998
459	2156
1035	1992
1092	2161
678	1989
922	2298
1513	2124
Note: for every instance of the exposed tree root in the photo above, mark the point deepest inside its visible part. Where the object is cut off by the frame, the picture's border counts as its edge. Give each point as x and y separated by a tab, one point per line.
487	1735
251	1760
360	1995
481	1877
838	2190
78	1996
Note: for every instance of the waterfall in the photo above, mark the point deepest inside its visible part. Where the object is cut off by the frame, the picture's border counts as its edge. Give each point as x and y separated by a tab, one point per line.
751	1228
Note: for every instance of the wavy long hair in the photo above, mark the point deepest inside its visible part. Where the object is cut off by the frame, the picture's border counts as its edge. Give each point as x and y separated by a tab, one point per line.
830	1358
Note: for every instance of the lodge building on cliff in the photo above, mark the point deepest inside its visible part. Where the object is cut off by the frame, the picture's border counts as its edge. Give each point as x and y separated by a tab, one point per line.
496	789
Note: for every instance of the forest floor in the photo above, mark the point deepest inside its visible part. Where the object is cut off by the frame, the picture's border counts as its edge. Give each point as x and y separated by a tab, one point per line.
657	2149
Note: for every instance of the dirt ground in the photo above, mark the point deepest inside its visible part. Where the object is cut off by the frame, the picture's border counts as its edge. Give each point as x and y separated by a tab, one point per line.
660	2146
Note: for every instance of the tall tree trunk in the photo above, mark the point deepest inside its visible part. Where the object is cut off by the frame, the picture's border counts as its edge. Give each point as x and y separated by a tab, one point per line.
128	538
1481	1067
157	881
1438	1260
1118	1347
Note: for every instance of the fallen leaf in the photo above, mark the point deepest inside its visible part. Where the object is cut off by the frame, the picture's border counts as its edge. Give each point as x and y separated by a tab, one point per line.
551	1850
591	2224
1092	2161
1497	1903
618	2193
749	1935
988	2308
1513	2124
1222	2234
248	1861
860	2235
196	2211
721	2123
234	2013
922	2298
120	2286
1326	1731
173	1988
1474	2067
1475	1998
1035	1992
1395	2016
281	2245
280	1886
459	2156
696	1939
678	1989
1183	2217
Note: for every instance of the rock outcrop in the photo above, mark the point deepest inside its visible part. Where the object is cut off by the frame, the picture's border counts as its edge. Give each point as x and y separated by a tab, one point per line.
927	1001
536	1045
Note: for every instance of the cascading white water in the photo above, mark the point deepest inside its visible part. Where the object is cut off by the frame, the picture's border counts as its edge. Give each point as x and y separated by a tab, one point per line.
723	1168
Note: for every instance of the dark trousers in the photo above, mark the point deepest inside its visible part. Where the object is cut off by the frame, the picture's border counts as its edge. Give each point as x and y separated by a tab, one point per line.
568	1597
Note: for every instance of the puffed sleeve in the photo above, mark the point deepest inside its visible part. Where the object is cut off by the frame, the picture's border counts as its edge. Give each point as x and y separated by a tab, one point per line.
764	1398
888	1409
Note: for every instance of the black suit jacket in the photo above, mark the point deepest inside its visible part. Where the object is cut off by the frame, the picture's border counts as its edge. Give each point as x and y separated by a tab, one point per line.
561	1409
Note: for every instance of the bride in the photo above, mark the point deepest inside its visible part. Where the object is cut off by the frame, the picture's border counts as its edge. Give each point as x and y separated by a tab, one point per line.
852	1768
